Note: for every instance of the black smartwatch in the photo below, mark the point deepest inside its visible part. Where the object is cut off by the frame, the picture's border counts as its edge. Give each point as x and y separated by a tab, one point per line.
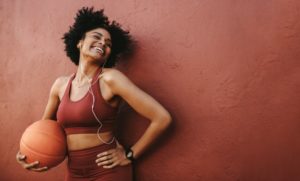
129	154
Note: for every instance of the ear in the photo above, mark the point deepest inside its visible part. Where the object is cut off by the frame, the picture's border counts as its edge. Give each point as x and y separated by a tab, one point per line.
79	44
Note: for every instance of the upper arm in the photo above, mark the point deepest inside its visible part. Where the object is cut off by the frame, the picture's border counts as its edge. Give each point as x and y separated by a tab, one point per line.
139	100
53	101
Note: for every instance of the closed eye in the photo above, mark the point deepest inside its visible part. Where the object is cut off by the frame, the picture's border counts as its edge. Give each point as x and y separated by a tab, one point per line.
97	37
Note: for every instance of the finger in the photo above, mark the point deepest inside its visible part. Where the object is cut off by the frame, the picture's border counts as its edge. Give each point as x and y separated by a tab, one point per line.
106	162
20	156
103	158
119	145
19	160
106	153
31	165
42	169
22	162
111	165
117	142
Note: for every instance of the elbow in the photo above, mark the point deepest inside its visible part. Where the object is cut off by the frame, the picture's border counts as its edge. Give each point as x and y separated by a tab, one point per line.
166	120
161	121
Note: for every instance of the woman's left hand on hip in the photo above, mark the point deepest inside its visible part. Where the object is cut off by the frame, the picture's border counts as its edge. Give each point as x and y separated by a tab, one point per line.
112	157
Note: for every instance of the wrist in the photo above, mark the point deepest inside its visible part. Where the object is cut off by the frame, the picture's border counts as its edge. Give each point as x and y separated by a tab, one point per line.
129	154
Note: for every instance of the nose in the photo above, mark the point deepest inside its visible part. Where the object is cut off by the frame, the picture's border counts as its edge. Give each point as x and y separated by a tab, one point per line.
99	43
102	41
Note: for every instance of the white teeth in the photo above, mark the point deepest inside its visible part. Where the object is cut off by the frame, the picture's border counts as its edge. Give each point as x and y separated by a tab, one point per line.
99	49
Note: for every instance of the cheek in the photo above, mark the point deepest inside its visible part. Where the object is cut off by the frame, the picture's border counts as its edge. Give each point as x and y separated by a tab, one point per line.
108	51
85	47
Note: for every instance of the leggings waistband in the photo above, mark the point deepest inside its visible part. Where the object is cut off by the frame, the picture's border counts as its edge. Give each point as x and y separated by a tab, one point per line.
82	166
87	157
90	150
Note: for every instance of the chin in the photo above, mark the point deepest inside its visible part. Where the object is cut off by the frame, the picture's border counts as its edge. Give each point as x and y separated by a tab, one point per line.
97	58
100	61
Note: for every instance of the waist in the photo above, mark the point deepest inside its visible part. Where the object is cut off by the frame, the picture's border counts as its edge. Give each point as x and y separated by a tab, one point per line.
91	129
83	141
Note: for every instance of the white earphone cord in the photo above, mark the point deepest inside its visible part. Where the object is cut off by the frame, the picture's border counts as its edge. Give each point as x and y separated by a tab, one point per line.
101	124
93	105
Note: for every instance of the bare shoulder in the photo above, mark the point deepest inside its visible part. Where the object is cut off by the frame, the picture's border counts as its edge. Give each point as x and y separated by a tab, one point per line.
117	82
113	76
60	83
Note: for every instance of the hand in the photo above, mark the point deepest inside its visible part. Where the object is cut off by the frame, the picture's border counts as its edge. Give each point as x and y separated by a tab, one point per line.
113	157
29	166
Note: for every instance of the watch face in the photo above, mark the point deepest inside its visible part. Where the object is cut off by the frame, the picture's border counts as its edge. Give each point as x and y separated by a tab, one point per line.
129	154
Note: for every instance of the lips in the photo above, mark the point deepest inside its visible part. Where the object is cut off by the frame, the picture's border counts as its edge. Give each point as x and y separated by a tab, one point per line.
98	50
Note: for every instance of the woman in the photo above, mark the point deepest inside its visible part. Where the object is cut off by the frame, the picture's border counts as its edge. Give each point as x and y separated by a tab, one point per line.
86	102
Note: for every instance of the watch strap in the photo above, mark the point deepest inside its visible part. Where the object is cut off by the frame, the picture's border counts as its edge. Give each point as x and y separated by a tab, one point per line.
129	154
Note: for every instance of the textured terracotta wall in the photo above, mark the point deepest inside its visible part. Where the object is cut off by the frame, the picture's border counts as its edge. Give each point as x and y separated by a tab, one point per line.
228	71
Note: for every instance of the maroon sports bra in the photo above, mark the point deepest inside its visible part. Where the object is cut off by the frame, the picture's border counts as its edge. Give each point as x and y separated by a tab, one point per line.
77	116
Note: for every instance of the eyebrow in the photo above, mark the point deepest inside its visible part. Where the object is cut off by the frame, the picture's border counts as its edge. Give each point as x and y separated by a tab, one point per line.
100	34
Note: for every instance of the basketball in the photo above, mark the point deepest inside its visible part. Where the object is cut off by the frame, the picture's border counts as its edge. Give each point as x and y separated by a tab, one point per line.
44	141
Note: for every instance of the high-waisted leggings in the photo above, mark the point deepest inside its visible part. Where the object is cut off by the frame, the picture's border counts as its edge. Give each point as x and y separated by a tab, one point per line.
81	166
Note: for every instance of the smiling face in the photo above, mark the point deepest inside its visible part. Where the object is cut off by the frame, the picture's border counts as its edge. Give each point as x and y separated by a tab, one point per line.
96	45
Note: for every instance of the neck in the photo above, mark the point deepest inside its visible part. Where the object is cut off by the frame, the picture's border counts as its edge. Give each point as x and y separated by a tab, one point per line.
86	71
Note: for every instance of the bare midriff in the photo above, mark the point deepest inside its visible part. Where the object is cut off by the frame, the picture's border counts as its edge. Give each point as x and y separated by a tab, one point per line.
83	141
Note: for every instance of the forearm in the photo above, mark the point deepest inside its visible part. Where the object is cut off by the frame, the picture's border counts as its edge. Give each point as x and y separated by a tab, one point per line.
150	135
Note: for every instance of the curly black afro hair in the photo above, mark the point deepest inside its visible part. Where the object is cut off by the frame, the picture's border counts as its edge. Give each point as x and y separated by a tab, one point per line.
87	19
